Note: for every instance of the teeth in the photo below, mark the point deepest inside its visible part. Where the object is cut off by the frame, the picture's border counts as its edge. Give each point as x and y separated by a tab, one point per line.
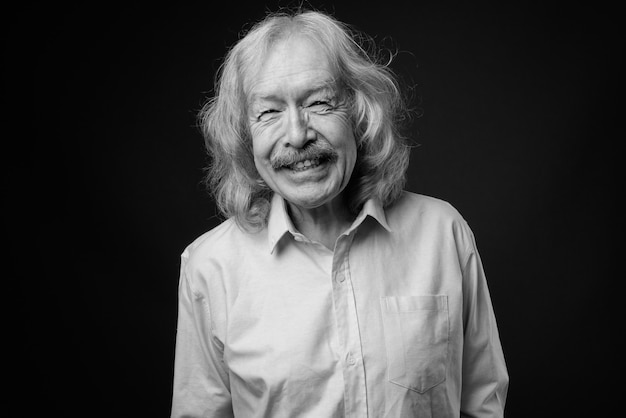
303	165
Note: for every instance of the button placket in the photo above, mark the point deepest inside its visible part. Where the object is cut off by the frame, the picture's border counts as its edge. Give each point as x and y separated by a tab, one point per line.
349	334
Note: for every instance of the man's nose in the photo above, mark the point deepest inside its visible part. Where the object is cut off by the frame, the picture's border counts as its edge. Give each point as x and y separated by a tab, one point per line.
298	131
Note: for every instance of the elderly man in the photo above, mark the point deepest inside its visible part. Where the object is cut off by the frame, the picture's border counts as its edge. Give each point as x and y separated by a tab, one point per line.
328	291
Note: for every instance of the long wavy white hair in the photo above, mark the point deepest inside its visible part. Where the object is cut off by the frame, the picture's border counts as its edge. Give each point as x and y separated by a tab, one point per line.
372	92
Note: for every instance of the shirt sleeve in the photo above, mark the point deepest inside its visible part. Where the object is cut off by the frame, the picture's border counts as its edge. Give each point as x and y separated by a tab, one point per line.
201	383
485	377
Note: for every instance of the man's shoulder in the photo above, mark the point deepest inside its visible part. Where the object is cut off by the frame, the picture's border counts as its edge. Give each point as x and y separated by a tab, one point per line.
221	242
412	205
418	218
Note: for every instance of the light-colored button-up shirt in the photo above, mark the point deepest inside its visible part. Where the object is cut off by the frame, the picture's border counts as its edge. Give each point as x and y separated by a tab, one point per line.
397	321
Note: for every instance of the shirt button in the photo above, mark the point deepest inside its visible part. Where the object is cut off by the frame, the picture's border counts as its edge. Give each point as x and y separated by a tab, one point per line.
341	278
351	361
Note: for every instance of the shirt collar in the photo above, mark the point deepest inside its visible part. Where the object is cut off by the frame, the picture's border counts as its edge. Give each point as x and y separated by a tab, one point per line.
374	209
279	222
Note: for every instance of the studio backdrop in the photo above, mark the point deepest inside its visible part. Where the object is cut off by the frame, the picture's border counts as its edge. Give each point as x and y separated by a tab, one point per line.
512	124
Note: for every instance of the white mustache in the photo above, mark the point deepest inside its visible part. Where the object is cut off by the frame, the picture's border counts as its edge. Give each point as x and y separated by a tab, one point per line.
318	150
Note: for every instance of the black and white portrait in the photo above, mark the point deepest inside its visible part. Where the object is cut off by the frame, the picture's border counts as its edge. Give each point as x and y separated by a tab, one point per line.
312	209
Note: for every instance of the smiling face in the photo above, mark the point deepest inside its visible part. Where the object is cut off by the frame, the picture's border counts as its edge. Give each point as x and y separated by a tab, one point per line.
303	144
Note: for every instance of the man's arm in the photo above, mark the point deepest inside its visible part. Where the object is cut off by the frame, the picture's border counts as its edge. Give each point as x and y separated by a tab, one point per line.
201	383
485	378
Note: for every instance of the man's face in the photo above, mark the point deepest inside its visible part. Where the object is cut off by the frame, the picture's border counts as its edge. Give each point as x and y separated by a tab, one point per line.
303	144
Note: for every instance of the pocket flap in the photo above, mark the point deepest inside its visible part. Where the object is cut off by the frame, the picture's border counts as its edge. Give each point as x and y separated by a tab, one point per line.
400	304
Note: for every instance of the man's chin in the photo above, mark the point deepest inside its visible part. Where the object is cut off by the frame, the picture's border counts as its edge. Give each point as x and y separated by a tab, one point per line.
309	198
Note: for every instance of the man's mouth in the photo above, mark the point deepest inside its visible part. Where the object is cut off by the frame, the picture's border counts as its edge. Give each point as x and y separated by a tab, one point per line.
304	165
312	157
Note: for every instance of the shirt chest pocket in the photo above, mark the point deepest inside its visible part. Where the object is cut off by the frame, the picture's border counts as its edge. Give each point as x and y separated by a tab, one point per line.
416	338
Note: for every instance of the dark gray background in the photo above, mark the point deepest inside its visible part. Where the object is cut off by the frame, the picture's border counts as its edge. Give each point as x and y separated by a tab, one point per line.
519	105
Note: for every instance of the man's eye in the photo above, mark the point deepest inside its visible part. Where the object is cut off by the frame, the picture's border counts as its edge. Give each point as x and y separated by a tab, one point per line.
320	106
267	114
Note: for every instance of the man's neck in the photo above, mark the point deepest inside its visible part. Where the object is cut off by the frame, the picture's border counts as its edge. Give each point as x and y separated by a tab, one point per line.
323	224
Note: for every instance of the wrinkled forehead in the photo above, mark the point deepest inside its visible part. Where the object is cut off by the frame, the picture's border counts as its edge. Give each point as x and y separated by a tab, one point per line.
273	58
